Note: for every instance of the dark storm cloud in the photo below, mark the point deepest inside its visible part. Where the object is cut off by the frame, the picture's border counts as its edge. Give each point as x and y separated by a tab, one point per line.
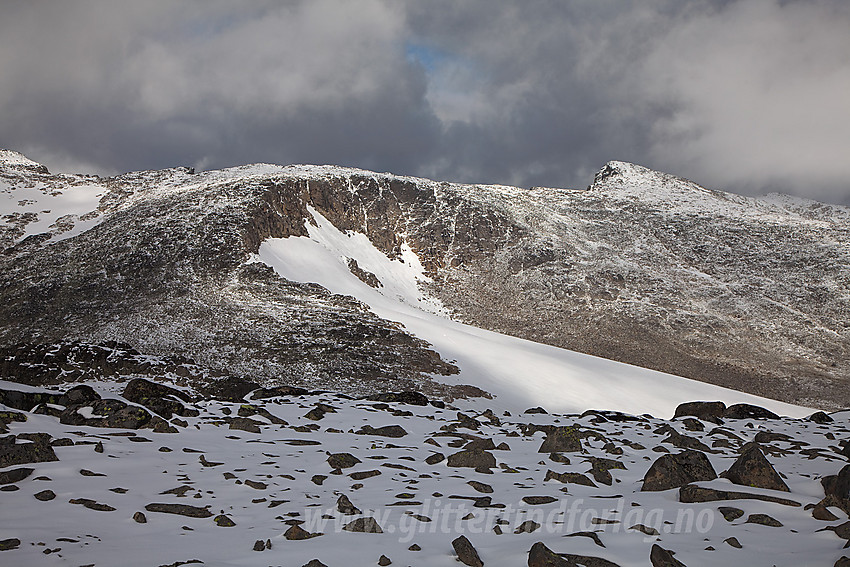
746	96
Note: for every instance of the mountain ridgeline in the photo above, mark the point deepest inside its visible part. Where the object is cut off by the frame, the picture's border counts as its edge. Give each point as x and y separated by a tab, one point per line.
640	267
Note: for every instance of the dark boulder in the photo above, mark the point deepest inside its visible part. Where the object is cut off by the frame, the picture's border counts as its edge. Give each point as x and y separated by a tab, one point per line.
278	391
473	458
660	557
541	556
561	439
344	506
706	411
748	411
37	451
394	431
753	469
14	475
79	395
342	460
179	509
674	471
408	397
820	417
230	389
366	525
692	494
466	553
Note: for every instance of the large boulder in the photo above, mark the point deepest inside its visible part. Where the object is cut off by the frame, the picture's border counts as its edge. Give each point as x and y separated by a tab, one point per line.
466	553
748	411
674	471
753	469
561	439
477	459
36	450
706	411
660	557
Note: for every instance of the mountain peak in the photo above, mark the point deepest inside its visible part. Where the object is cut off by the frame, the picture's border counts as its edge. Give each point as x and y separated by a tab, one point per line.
10	159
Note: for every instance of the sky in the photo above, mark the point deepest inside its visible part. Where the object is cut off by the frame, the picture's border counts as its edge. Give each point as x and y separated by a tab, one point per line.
747	96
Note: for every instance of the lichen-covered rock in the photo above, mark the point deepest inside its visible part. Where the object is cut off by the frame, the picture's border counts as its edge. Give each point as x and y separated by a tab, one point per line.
472	458
753	469
16	453
466	553
561	439
674	471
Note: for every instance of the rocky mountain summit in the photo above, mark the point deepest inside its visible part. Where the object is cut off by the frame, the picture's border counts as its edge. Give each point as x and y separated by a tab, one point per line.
641	267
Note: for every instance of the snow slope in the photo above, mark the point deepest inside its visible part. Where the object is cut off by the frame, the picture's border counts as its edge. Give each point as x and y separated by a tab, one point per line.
519	373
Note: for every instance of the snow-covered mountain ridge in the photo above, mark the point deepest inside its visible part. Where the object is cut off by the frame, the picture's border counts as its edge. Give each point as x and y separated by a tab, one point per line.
641	267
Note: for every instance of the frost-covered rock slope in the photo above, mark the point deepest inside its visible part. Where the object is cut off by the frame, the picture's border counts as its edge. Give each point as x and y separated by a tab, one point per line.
641	267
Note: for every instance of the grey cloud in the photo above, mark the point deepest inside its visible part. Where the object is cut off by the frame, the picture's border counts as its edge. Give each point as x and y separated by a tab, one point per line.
740	95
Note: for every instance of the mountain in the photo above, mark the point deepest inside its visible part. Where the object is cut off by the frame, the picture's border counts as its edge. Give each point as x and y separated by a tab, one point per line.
220	270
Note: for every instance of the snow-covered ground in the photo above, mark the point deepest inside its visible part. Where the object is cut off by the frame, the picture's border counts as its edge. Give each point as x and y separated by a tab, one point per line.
518	372
260	481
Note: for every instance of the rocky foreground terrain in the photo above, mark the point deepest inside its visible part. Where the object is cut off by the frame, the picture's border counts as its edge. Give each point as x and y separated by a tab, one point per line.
143	471
642	267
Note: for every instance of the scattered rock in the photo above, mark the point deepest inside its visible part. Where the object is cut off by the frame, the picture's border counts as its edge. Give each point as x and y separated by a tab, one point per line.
733	541
692	493
764	520
527	527
394	431
753	469
820	417
344	506
363	525
481	487
748	411
472	458
14	475
569	477
259	545
561	440
45	495
435	458
38	451
541	556
92	505
342	460
362	475
245	424
140	518
297	533
180	509
466	553
538	500
730	514
383	561
314	563
600	468
706	411
223	521
660	557
674	471
9	544
409	397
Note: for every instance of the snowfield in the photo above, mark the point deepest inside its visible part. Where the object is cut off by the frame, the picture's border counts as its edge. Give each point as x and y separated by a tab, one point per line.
113	497
518	372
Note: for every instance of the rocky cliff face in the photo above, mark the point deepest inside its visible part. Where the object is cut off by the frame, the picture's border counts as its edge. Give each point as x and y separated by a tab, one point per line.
641	267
